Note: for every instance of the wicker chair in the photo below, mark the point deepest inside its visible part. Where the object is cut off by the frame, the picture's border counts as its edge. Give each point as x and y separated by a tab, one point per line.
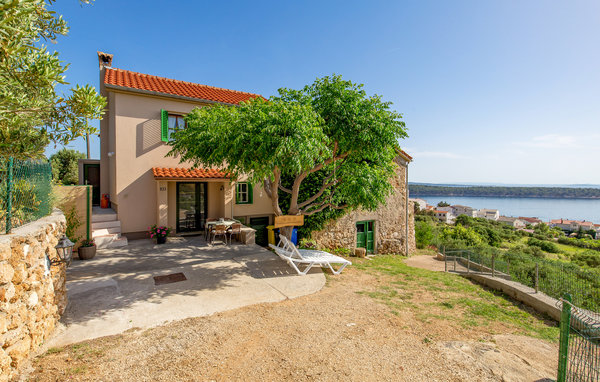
236	229
219	230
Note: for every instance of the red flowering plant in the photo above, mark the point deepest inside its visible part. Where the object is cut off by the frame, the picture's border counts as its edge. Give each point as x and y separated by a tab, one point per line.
158	231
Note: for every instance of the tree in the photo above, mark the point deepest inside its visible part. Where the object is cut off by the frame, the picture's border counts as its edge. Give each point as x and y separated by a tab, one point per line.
32	113
443	204
65	166
330	131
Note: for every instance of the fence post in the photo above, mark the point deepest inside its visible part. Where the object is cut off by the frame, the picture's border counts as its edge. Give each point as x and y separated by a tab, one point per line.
454	262
508	267
493	265
563	347
9	189
537	277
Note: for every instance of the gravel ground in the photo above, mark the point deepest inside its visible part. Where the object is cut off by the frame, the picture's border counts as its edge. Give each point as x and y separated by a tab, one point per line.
336	334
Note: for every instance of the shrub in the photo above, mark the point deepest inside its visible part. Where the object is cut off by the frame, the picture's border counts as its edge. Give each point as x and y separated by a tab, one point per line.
543	244
423	234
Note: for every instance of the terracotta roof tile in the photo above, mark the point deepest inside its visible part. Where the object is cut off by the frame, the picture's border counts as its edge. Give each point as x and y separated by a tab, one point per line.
147	82
166	173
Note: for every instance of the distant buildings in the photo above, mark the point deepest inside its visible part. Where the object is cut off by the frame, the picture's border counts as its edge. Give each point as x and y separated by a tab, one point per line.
443	216
489	214
532	221
573	225
420	202
513	222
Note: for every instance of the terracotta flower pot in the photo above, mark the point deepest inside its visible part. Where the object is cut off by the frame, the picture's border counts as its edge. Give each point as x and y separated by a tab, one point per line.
87	253
161	239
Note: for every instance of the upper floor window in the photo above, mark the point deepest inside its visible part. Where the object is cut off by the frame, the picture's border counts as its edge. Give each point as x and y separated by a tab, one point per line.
243	193
168	123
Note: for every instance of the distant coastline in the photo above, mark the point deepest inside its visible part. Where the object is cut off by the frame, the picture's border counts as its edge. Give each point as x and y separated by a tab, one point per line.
548	192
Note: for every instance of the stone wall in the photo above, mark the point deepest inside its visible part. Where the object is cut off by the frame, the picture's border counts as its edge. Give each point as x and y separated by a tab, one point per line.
32	297
389	218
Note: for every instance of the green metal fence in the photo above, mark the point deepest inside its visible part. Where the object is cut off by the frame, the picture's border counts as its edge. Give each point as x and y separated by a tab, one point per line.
25	191
579	349
554	278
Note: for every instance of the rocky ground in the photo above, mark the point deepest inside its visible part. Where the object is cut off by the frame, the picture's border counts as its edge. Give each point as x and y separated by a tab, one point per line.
345	332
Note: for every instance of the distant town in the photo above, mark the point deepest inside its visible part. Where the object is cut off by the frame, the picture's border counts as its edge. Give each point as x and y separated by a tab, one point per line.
448	213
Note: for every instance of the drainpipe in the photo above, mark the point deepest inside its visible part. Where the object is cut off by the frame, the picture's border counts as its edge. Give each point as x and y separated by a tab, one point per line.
406	206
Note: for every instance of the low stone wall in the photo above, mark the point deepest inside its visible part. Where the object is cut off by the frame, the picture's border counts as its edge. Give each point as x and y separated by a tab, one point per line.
32	297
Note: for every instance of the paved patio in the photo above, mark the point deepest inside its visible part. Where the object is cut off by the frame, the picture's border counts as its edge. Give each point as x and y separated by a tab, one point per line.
115	291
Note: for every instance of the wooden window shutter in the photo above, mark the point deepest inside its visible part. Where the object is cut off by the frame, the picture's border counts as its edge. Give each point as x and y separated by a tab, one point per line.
237	193
164	125
250	189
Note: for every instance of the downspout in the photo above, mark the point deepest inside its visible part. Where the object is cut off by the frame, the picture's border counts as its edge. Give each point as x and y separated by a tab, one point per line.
406	200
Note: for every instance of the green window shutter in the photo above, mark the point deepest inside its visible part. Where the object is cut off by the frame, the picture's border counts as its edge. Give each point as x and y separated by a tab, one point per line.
250	189
164	125
237	193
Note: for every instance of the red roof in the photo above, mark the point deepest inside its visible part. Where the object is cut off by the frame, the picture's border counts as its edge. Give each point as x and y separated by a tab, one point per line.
146	82
165	173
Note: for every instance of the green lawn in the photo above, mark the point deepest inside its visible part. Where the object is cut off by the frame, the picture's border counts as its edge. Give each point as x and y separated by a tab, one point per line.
432	296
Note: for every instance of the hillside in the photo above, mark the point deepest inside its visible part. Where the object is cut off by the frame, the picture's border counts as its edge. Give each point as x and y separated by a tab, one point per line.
417	190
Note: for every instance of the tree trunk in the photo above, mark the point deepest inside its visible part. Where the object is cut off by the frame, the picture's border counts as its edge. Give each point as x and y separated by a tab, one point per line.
286	231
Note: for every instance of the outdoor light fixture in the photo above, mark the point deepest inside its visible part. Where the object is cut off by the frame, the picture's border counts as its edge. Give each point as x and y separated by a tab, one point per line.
64	250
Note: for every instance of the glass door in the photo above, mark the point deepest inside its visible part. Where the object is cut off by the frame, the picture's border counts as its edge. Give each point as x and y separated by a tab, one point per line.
191	206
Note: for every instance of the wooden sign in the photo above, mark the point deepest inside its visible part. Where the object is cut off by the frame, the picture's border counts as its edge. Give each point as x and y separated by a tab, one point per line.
289	221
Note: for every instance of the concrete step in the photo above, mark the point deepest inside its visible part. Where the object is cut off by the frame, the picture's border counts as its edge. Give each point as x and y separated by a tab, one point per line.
105	217
106	231
110	241
108	224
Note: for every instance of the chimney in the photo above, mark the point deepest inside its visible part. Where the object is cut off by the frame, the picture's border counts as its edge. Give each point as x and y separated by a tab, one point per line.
104	60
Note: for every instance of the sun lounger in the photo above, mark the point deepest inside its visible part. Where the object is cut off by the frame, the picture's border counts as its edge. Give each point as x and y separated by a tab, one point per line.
295	257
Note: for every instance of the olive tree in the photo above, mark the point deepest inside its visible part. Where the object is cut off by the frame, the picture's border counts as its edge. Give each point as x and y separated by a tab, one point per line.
32	112
329	130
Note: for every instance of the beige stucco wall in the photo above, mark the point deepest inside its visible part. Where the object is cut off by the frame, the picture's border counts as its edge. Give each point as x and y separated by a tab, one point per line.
261	205
390	222
137	147
69	197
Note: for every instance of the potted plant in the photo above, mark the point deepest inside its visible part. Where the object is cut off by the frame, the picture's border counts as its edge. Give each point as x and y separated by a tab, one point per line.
87	250
160	233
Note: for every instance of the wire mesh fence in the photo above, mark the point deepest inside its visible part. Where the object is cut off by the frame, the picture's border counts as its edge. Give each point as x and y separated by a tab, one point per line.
554	278
25	191
579	349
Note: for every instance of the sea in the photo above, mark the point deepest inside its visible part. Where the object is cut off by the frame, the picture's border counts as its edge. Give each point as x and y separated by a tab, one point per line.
541	208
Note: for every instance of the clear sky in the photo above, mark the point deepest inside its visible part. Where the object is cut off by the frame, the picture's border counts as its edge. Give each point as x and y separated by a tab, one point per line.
502	91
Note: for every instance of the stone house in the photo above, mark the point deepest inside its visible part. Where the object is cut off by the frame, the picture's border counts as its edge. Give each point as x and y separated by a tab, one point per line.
389	229
146	187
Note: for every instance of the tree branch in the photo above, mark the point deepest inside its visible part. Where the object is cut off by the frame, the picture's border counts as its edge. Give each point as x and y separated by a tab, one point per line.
284	189
319	193
322	207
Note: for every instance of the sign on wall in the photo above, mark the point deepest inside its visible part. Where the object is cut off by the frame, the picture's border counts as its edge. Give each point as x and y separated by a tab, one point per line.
289	221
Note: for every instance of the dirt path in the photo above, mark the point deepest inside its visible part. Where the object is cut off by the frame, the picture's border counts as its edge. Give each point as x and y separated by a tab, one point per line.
339	333
425	262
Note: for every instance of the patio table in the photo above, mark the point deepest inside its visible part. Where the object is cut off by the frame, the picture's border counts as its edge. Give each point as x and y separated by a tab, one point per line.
209	225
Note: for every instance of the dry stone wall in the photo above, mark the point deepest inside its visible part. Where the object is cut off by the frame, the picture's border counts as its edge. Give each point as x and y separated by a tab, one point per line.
32	295
390	222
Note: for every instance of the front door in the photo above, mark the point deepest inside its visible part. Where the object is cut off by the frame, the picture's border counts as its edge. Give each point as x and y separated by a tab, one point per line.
365	235
191	206
91	175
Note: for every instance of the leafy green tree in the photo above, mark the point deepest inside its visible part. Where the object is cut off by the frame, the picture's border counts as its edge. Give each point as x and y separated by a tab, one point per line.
330	130
443	204
65	167
423	234
32	113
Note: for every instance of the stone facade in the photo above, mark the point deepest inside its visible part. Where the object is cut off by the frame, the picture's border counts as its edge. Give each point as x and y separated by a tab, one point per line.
390	222
32	297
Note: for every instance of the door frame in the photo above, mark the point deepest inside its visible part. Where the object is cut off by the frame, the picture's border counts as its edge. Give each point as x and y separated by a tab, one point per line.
366	231
86	167
198	185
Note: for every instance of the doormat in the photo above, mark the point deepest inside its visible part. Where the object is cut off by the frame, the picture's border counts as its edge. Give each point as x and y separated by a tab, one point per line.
168	279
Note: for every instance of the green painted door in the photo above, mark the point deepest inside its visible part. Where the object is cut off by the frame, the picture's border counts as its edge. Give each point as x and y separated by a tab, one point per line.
365	235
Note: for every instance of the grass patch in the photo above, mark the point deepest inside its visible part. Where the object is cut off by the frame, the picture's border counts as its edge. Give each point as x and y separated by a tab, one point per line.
463	302
54	350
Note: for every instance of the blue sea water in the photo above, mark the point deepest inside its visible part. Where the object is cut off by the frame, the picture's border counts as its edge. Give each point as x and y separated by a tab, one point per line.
542	208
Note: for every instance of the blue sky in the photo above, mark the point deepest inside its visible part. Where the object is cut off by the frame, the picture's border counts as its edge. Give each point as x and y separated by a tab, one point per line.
491	91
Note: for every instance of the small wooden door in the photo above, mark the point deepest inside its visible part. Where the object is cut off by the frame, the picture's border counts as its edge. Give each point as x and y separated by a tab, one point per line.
91	175
365	235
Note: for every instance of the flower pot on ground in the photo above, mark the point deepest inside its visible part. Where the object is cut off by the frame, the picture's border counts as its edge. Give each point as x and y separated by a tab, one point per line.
87	250
159	233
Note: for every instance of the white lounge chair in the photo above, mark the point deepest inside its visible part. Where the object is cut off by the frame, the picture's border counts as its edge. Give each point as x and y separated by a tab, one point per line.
288	252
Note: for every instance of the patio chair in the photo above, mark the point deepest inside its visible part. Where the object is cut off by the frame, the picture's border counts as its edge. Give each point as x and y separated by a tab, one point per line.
295	257
219	230
207	228
236	229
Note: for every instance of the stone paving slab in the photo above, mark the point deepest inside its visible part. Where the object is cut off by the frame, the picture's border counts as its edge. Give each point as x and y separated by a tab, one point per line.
115	291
